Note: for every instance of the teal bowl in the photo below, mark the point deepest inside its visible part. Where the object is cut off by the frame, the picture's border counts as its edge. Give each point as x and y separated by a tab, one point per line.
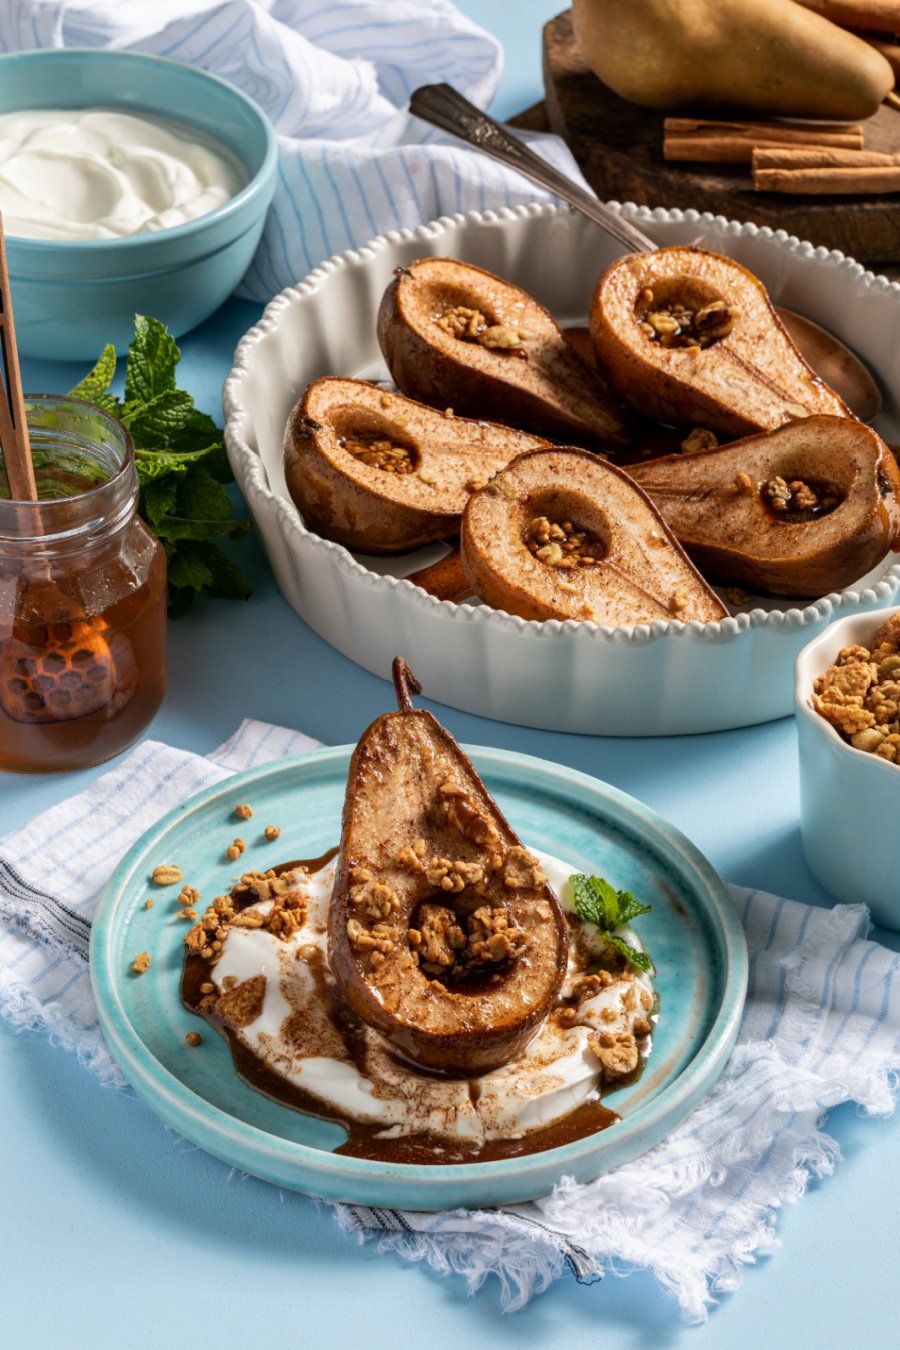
72	296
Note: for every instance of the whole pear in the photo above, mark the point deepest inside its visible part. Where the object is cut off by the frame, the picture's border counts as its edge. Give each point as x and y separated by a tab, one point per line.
762	56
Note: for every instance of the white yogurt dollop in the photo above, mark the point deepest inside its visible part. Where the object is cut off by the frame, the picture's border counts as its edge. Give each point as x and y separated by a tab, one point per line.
105	174
293	1036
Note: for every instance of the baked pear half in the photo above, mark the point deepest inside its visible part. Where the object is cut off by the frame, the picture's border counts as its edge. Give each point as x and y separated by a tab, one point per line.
443	932
688	336
561	534
381	473
456	336
803	510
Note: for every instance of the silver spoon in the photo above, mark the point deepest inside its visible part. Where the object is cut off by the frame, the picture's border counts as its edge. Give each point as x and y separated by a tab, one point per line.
444	107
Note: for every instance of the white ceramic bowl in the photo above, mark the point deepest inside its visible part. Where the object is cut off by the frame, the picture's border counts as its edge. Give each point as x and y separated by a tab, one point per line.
849	799
656	679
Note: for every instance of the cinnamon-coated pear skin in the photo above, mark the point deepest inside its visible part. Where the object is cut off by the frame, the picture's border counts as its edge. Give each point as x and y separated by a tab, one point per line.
804	510
689	336
561	534
456	336
381	473
443	932
762	56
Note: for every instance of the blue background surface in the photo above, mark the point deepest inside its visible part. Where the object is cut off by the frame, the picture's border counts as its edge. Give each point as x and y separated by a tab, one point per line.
115	1233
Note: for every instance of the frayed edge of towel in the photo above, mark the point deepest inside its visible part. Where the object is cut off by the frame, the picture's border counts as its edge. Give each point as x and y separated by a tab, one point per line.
527	1256
525	1264
24	916
26	1013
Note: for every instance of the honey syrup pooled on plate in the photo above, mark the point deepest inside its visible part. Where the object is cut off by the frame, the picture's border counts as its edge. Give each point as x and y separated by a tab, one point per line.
257	969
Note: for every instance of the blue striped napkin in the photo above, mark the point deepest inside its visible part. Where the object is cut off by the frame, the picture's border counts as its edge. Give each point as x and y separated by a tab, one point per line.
821	1027
335	77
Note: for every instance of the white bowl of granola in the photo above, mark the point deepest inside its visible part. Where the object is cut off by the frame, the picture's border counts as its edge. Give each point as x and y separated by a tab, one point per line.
847	704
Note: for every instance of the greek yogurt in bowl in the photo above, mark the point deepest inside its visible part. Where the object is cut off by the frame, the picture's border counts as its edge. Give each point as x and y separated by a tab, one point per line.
102	173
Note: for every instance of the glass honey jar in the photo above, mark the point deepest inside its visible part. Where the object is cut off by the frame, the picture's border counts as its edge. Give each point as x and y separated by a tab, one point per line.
82	597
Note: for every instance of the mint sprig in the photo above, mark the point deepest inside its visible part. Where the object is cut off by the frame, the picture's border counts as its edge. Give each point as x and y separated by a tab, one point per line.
599	903
181	464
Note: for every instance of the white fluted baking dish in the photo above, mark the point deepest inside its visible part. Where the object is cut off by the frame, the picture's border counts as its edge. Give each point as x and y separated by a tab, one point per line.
665	678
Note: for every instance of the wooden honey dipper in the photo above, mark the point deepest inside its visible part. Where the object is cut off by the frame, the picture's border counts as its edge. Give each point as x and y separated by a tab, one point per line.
65	669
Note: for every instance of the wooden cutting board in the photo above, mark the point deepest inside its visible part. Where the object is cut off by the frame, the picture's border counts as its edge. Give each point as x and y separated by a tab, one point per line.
618	147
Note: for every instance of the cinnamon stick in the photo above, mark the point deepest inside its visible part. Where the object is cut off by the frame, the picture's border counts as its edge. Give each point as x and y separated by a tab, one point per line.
734	142
813	157
881	16
781	172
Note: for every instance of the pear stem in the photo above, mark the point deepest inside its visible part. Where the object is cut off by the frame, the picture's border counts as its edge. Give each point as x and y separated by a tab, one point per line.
405	684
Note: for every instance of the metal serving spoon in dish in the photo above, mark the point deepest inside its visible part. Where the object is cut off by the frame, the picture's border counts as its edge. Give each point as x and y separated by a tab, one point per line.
444	107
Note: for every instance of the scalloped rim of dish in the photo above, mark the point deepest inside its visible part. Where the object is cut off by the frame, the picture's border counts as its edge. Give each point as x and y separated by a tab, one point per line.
236	420
804	677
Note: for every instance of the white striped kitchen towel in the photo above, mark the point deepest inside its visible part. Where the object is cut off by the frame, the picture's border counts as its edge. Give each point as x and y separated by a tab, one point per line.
335	77
821	1027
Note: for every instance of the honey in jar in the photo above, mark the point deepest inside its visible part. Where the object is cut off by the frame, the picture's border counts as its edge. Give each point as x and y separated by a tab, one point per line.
82	597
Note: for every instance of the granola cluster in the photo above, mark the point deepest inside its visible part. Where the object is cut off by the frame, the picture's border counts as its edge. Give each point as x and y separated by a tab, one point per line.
372	897
680	326
798	497
376	942
522	871
448	874
616	1051
470	325
166	874
561	544
445	943
287	914
382	454
699	439
463	815
860	694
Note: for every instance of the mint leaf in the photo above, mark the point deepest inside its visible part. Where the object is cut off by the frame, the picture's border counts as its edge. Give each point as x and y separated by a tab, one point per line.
216	463
151	463
587	903
201	428
181	464
188	570
171	528
629	908
158	498
200	497
607	902
93	388
161	418
228	581
152	358
599	903
156	467
640	960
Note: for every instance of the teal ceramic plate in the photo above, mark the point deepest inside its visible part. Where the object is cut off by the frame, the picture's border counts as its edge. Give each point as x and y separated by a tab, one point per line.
693	934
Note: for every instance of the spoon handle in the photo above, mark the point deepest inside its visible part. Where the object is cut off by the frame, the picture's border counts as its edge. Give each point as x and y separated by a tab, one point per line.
444	107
